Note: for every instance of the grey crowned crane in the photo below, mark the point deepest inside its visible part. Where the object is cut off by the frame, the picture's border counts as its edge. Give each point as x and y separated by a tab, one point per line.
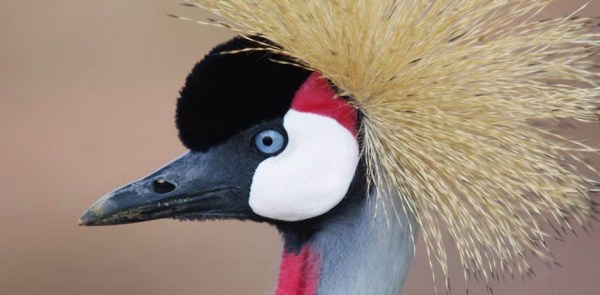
354	125
269	144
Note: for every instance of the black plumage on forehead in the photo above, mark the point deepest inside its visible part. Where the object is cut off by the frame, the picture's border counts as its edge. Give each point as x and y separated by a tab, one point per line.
227	93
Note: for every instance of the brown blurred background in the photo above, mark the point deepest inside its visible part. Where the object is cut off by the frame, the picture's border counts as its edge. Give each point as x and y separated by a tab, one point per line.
87	92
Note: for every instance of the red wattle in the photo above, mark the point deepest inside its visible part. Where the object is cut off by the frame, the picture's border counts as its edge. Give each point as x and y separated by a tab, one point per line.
316	96
299	272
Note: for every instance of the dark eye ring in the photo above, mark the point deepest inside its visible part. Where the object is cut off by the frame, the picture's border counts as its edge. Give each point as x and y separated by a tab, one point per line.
269	141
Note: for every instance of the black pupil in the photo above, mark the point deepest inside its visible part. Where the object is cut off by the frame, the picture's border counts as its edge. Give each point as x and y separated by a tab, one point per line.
267	141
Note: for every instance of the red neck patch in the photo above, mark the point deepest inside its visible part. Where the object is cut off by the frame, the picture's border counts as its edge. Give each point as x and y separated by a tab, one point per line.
316	96
299	272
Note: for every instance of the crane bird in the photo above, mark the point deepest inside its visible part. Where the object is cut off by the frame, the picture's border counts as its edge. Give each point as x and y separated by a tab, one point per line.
354	125
267	143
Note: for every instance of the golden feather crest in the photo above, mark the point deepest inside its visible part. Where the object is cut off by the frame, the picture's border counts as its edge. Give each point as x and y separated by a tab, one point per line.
449	90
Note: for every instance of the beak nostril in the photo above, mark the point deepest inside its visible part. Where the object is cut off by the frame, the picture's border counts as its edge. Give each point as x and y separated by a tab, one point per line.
162	186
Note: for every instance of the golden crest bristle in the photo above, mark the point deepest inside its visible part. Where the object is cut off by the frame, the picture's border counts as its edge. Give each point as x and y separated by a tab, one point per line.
448	91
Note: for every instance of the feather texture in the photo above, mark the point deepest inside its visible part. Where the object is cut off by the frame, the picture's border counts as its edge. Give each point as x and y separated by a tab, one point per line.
448	91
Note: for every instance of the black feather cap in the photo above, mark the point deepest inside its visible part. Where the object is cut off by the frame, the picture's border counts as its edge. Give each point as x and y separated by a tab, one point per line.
228	93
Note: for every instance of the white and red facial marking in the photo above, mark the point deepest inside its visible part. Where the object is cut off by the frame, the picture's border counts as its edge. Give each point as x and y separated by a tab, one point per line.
313	174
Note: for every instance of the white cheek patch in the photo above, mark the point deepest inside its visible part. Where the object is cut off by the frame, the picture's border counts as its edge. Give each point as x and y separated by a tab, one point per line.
312	175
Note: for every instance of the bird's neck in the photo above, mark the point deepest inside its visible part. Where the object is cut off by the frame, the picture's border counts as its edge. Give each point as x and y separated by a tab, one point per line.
299	272
358	250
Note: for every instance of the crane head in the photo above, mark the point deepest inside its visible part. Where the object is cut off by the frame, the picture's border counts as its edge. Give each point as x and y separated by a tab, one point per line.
268	141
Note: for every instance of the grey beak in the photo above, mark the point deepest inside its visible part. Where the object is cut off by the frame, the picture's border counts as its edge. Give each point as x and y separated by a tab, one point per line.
193	186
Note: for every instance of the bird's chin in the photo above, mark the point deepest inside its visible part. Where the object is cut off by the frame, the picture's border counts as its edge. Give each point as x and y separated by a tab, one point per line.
211	216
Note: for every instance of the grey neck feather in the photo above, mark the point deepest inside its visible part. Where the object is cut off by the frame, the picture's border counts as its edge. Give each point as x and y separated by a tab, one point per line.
365	252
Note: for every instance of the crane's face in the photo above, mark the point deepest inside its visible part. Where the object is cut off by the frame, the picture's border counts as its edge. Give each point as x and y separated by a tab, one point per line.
267	142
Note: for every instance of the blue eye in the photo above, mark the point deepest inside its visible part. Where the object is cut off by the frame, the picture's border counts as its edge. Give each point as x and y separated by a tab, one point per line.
269	141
